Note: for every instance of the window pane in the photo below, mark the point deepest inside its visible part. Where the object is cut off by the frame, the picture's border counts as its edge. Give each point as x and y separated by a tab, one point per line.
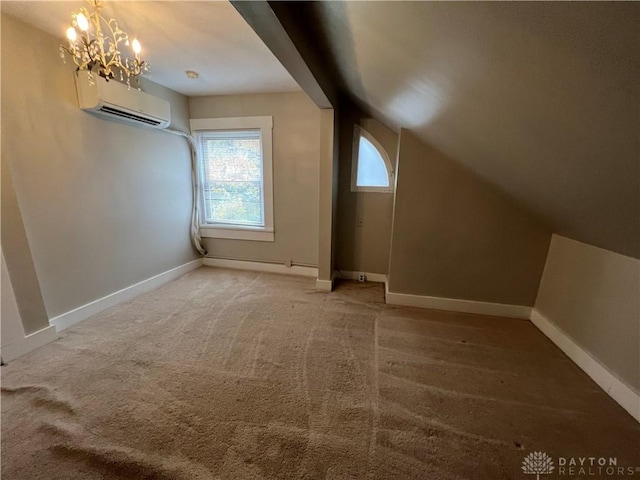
372	171
232	183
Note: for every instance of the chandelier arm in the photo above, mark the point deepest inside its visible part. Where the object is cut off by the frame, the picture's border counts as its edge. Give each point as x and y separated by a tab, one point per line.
89	50
73	55
115	57
95	19
111	59
104	65
113	42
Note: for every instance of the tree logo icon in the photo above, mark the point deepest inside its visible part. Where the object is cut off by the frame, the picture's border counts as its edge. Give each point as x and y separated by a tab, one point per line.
537	463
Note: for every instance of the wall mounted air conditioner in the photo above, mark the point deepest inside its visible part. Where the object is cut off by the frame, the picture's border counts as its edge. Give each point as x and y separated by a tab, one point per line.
117	101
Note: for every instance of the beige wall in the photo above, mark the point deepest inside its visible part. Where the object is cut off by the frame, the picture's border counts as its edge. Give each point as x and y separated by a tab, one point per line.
593	295
11	328
326	198
364	218
104	204
19	263
456	237
296	153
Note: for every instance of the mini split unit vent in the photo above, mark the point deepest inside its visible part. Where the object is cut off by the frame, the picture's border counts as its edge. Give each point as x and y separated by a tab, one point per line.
117	101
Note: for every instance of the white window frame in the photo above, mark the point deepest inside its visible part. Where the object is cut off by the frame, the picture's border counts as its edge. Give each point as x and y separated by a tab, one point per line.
358	132
234	231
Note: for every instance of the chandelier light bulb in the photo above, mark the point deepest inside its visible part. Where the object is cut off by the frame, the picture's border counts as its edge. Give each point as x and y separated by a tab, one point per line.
83	23
71	34
135	45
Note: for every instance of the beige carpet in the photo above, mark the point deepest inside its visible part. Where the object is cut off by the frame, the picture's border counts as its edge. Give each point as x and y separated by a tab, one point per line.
238	375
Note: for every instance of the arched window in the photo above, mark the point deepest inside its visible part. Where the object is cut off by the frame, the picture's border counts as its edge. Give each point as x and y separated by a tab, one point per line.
371	170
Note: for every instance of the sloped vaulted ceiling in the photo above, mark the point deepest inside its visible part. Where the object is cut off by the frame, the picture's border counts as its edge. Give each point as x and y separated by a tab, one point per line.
539	98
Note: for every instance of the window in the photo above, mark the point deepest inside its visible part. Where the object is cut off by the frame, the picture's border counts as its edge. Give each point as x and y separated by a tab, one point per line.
371	169
235	177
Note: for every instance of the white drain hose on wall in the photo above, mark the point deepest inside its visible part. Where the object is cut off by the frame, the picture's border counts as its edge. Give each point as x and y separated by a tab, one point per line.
195	224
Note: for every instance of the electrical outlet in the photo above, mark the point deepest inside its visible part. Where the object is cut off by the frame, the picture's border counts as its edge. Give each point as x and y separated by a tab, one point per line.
362	277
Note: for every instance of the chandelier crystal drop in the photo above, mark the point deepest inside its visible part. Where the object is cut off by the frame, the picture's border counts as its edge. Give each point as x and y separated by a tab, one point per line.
98	44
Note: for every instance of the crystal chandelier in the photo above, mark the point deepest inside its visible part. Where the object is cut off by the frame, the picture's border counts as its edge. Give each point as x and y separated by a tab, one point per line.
95	44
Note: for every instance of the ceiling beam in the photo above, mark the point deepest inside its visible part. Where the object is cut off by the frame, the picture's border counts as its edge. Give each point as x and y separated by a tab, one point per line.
288	45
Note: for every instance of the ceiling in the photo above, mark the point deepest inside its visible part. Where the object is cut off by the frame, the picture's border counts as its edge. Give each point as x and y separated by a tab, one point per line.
541	99
208	37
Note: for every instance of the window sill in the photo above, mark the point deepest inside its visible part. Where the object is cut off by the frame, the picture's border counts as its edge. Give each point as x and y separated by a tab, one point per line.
371	189
237	233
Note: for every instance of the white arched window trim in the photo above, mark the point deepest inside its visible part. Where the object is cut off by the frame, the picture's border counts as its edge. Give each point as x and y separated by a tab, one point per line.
361	132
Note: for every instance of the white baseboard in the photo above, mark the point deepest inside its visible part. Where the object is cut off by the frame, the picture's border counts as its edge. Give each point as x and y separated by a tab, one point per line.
370	277
324	285
260	267
28	344
612	385
79	314
457	305
327	285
